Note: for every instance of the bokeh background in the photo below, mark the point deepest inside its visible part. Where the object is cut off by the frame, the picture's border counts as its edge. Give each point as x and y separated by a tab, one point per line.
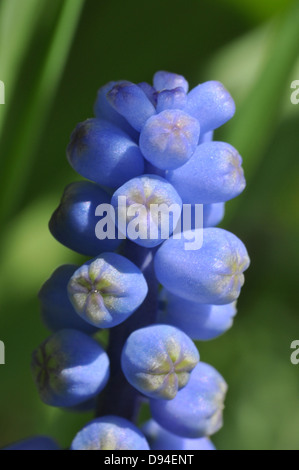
54	55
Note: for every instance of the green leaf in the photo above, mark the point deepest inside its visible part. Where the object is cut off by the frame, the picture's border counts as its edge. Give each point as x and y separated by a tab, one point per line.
22	154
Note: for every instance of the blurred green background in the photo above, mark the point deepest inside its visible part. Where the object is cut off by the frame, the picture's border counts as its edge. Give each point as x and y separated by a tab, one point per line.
54	54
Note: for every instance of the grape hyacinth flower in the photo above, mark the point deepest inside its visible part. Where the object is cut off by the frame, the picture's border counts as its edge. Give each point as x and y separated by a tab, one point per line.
73	223
57	312
196	411
148	145
110	433
158	360
161	439
69	368
200	322
138	218
193	181
211	275
106	290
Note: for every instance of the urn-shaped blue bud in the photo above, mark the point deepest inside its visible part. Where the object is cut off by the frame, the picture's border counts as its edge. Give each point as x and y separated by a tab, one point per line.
157	360
149	91
147	209
161	439
197	409
107	290
211	104
212	274
168	81
104	110
169	138
69	368
103	153
213	174
199	321
110	433
132	103
171	99
74	222
57	311
213	214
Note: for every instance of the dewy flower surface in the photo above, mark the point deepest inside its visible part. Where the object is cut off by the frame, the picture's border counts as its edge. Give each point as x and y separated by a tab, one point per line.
150	144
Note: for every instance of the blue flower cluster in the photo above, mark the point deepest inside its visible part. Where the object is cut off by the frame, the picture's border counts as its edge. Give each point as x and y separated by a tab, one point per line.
147	146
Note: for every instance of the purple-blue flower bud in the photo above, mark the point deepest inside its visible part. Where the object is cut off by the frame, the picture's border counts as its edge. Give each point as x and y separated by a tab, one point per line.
149	91
157	360
169	138
168	81
211	104
213	174
160	439
199	321
107	290
143	206
69	368
196	411
109	433
213	214
212	274
132	103
74	221
56	309
171	99
103	153
104	110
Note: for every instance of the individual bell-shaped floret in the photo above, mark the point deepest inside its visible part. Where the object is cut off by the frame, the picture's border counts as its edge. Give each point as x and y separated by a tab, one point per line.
212	274
213	174
57	311
147	209
211	104
69	368
104	110
201	322
197	409
149	91
213	214
160	439
169	138
74	222
168	81
103	153
132	103
110	433
171	99
157	360
107	290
